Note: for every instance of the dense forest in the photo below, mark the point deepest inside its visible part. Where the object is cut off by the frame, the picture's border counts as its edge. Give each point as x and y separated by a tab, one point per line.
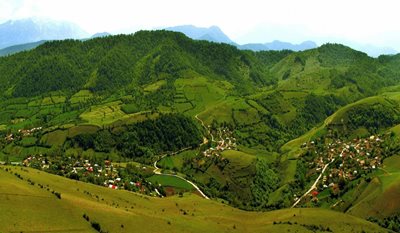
144	140
112	63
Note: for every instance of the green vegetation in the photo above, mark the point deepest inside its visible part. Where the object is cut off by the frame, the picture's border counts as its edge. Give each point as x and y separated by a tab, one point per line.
143	140
380	197
170	181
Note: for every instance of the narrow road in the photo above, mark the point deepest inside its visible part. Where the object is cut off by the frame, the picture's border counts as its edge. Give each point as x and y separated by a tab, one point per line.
314	185
316	181
202	123
157	171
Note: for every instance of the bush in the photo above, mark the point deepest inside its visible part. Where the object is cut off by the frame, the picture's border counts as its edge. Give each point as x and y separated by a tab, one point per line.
96	226
86	217
57	194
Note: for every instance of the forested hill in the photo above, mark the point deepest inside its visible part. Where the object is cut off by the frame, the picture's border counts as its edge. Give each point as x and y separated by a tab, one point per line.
106	64
337	68
124	61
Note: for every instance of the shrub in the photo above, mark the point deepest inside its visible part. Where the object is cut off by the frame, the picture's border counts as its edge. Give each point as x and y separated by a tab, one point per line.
96	226
57	194
86	217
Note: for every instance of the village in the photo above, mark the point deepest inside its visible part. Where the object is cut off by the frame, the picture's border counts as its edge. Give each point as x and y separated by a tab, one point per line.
105	173
224	140
340	162
21	133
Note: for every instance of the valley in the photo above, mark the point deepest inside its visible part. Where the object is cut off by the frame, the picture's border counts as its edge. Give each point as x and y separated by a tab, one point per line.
197	136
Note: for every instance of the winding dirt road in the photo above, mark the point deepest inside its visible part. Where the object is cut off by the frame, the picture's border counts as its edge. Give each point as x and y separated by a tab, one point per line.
202	123
157	171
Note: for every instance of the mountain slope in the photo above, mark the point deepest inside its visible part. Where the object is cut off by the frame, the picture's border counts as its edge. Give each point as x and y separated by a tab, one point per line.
132	212
334	68
19	48
125	59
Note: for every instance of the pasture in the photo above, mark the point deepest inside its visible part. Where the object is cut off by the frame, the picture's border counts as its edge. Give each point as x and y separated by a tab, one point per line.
22	209
171	181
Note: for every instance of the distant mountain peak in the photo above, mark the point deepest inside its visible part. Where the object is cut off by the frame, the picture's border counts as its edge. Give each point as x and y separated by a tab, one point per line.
28	30
279	45
213	33
100	34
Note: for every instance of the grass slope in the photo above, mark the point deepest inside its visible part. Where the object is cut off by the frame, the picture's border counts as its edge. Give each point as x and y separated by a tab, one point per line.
29	208
381	197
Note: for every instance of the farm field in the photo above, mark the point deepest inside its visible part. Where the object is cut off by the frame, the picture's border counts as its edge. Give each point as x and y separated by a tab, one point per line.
176	161
171	181
200	92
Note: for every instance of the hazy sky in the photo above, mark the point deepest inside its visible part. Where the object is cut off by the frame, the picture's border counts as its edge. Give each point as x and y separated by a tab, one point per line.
363	21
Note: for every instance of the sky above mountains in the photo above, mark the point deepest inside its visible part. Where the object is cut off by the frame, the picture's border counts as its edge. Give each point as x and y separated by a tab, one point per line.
363	22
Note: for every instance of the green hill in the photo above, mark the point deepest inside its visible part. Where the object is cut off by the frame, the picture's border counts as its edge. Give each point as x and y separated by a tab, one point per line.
334	68
110	63
28	204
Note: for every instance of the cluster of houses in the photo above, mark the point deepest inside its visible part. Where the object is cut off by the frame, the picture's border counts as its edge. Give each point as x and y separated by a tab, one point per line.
21	133
224	140
117	182
28	132
345	160
38	160
69	165
81	168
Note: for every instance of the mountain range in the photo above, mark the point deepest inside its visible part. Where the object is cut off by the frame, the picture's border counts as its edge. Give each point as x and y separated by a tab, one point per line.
25	34
279	45
215	34
15	32
212	33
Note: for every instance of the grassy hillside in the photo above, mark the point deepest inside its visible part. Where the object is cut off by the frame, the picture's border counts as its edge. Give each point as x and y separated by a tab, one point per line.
380	197
22	209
